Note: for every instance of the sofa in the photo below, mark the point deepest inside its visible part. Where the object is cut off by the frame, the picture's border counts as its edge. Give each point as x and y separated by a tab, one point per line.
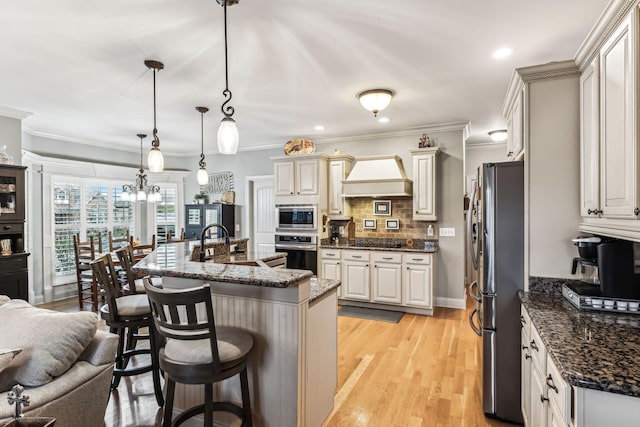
62	360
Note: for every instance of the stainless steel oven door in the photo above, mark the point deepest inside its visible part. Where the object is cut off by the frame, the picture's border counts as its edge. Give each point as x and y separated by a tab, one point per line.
297	218
302	251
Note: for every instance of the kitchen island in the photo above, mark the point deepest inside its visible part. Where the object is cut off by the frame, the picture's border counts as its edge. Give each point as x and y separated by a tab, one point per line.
596	354
293	319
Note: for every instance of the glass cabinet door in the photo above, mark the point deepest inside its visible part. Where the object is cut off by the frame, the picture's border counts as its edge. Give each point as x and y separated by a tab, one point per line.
11	193
193	216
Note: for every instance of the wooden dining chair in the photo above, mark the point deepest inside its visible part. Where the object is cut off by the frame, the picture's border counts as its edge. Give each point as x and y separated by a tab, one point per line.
118	242
141	251
84	253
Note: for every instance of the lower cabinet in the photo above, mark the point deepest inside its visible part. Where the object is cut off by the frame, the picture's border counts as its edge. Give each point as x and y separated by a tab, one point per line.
525	366
392	278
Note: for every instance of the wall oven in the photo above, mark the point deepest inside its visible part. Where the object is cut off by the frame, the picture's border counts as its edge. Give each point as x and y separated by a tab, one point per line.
302	251
297	218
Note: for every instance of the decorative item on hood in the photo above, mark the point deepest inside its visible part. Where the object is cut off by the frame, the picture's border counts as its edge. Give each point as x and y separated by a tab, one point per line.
299	146
425	141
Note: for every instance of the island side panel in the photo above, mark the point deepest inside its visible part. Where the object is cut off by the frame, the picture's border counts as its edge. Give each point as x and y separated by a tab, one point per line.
277	367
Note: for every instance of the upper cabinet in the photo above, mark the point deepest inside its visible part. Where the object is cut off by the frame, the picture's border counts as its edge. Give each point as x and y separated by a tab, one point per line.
424	183
339	168
12	193
618	195
301	180
515	127
609	146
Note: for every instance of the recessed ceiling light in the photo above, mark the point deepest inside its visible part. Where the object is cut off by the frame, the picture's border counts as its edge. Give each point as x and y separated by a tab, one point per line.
503	52
318	127
384	119
498	135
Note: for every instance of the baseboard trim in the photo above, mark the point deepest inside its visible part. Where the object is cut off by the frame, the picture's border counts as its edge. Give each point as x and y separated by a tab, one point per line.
458	303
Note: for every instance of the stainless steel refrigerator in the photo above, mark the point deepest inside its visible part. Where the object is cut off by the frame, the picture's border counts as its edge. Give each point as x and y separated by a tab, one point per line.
496	239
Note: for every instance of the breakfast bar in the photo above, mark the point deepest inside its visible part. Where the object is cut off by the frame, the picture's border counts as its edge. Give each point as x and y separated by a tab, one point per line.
292	316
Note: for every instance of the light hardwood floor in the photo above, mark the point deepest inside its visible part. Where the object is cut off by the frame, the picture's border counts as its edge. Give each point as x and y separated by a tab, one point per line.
422	371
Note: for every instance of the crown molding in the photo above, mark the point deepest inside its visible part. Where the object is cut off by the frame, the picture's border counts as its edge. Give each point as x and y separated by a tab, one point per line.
14	113
608	21
486	144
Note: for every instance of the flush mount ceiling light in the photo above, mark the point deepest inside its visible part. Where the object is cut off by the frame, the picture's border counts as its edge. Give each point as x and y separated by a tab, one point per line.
498	135
228	138
203	176
155	159
140	191
503	52
375	100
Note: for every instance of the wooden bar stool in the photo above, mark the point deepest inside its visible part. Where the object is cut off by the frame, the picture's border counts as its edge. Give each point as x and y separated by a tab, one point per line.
198	352
126	315
84	253
133	281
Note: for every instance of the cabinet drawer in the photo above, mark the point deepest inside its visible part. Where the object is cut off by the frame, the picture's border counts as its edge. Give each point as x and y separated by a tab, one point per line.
12	228
417	258
537	349
391	257
356	255
330	253
558	390
13	263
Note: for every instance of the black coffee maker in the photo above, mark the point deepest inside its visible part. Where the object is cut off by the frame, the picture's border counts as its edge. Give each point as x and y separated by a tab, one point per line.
588	259
616	268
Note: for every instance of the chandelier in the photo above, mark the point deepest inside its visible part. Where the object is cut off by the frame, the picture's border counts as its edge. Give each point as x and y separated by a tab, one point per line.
141	191
228	138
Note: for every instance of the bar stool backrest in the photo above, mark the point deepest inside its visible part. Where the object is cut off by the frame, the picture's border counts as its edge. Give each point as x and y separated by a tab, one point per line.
184	314
127	260
107	278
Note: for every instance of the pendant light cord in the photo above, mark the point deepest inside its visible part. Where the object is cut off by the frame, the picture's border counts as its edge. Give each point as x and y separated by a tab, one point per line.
202	163
156	141
227	110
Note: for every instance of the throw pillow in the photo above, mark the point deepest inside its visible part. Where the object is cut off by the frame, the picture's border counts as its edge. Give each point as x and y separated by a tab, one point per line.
6	356
50	341
3	299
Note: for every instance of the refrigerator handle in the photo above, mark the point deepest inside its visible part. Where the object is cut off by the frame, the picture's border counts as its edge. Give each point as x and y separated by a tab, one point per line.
472	251
475	328
472	294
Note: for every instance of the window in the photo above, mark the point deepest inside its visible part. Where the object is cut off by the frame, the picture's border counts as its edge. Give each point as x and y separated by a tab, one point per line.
166	212
86	207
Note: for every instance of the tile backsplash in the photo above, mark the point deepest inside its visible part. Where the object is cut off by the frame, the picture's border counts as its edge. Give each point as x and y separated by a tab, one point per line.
401	210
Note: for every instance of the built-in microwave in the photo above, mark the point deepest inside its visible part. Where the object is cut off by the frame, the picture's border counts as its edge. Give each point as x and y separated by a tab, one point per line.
297	218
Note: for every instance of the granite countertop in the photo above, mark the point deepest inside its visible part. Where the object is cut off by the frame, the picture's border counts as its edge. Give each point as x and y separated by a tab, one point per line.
319	287
379	244
596	350
173	260
246	257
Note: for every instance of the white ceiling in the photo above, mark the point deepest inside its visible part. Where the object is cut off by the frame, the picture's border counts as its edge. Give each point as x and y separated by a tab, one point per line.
78	65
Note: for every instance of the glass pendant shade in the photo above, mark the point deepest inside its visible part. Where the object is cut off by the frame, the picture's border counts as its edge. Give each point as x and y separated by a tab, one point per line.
203	176
375	100
141	196
155	160
228	138
124	196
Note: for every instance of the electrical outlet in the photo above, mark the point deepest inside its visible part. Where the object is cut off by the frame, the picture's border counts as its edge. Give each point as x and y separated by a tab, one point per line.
237	228
447	232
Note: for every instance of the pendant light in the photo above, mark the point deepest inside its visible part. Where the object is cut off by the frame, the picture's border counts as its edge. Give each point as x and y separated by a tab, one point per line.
228	138
375	100
155	159
141	190
203	176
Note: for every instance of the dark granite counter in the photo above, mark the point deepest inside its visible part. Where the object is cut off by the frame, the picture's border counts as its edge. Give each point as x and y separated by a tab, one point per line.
174	260
379	244
247	258
596	350
319	287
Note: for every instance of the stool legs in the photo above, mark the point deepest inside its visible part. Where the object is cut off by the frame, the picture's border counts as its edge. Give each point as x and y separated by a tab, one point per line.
246	400
168	407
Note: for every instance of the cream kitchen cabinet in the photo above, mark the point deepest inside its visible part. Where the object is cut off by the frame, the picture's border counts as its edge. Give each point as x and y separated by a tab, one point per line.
590	140
525	366
418	280
331	266
618	144
339	168
387	277
301	180
515	127
424	184
356	275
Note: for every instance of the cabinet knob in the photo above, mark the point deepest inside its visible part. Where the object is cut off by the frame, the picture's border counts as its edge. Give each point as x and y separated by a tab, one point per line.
340	212
367	265
534	346
298	192
543	399
7	227
523	321
375	266
408	268
416	211
337	263
526	356
636	211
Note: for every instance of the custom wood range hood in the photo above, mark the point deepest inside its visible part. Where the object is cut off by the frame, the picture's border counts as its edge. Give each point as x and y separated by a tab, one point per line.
377	176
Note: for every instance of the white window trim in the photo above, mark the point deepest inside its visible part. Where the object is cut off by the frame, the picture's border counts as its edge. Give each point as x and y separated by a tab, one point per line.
48	167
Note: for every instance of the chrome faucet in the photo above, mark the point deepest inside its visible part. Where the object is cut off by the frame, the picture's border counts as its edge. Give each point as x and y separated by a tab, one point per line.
203	252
